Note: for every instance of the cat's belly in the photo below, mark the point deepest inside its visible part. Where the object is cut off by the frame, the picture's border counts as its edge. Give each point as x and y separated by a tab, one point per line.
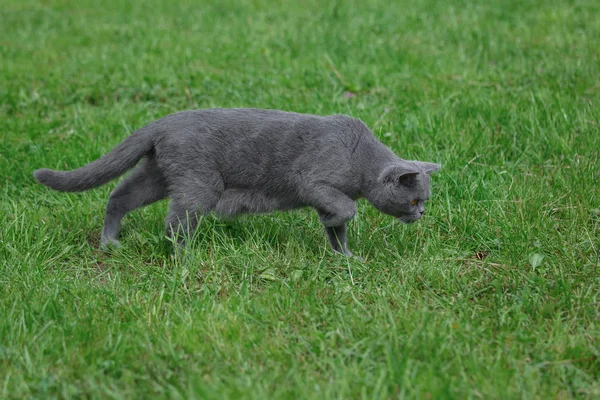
244	201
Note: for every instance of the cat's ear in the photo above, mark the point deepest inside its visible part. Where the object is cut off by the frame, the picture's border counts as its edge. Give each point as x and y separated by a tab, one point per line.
398	174
427	167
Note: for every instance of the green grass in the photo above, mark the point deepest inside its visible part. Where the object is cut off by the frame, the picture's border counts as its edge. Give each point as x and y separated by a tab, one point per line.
504	94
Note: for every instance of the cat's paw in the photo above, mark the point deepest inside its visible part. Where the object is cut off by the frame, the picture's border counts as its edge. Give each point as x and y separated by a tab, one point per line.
109	244
349	254
359	258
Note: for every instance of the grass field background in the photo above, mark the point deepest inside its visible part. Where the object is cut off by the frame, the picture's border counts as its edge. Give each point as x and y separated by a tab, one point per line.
495	294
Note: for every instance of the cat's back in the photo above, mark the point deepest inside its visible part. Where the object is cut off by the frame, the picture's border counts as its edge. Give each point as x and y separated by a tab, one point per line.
271	151
284	131
260	134
249	121
245	122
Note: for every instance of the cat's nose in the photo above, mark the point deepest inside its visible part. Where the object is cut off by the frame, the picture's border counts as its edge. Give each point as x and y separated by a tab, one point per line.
422	212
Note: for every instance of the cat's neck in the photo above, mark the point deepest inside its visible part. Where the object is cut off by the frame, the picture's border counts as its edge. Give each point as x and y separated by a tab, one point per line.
374	158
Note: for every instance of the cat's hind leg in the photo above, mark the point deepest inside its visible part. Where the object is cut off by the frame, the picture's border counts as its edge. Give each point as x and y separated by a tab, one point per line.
144	186
187	207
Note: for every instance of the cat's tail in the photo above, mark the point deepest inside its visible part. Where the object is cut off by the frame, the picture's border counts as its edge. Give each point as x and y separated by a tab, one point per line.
120	159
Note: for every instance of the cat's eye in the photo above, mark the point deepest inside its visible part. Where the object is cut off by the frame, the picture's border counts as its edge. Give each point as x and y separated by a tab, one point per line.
414	203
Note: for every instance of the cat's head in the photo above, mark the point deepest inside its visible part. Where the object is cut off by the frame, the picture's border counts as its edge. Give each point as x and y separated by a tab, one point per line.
403	188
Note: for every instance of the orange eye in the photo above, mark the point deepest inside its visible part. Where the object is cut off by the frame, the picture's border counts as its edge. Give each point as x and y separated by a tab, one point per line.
414	202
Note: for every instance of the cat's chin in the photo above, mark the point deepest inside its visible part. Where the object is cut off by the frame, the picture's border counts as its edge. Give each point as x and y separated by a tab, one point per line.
407	220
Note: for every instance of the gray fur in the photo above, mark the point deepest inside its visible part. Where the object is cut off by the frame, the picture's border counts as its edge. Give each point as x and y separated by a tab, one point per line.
239	161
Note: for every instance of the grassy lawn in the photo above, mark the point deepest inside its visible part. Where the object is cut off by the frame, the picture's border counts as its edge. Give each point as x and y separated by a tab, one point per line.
495	294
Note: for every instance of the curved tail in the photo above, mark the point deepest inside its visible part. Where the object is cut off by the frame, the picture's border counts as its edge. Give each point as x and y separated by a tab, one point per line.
120	159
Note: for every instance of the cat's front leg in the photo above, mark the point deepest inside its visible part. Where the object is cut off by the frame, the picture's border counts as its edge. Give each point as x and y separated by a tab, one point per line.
337	239
335	209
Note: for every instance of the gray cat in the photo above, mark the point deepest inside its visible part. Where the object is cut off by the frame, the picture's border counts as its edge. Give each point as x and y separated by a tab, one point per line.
238	161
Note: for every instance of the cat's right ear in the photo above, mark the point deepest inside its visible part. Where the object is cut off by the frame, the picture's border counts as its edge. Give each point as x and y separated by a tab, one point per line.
428	167
398	174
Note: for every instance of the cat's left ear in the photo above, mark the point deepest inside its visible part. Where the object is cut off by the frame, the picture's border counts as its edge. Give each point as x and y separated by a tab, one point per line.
427	167
399	173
